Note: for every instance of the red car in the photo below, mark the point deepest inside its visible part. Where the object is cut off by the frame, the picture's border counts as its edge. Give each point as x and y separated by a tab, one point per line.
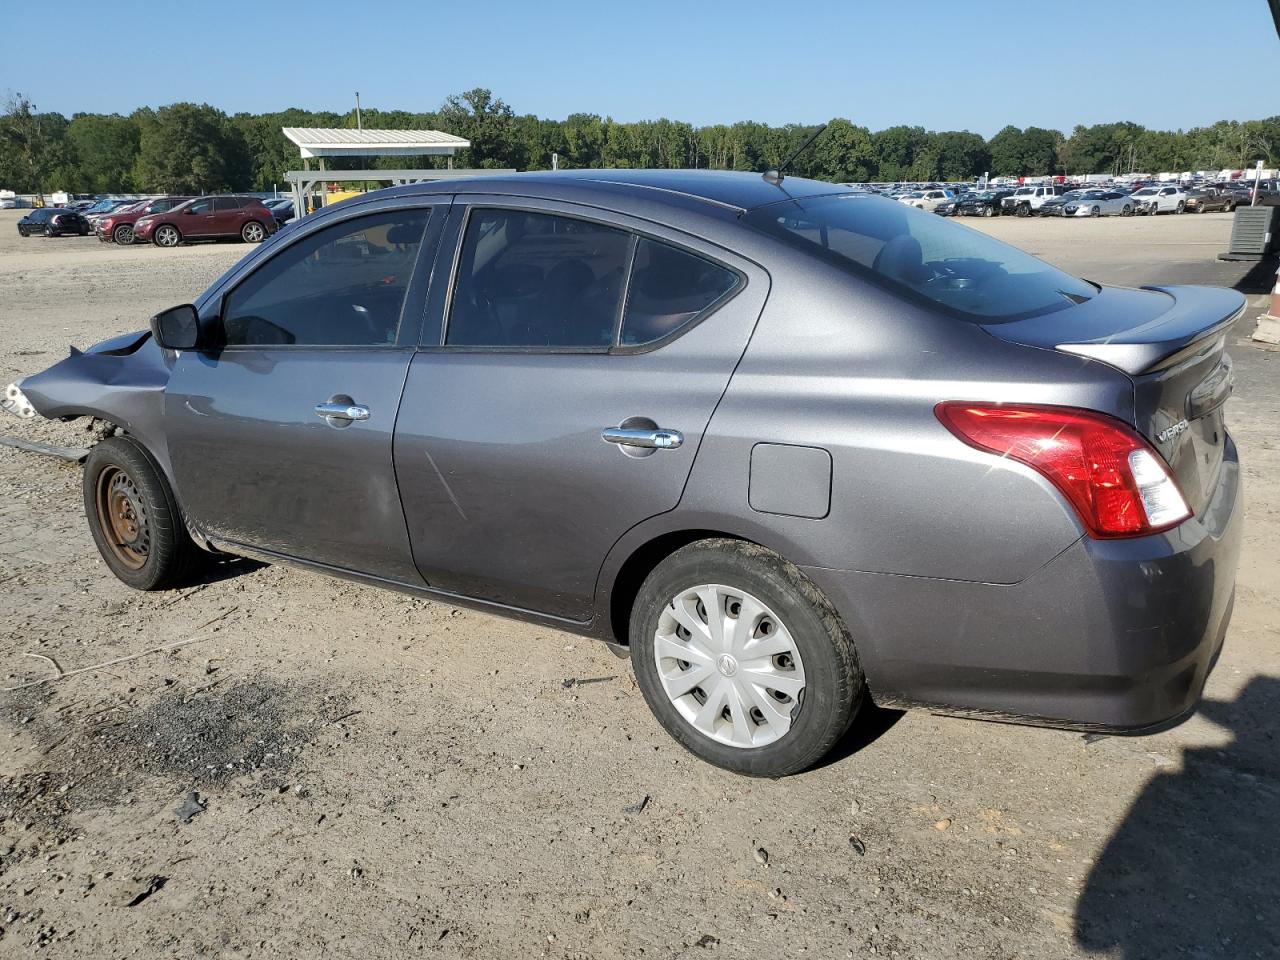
117	226
208	218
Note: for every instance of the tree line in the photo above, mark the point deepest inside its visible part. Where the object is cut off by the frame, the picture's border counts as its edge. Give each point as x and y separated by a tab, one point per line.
193	148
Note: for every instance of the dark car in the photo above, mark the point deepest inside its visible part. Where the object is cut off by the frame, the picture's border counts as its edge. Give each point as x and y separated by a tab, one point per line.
685	412
208	218
282	209
948	208
985	203
53	222
1204	199
117	226
1055	206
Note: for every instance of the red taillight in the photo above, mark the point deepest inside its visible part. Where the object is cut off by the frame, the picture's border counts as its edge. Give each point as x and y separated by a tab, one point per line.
1118	485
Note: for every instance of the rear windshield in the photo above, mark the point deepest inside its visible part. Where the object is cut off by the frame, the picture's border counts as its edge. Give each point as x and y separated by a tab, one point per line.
954	267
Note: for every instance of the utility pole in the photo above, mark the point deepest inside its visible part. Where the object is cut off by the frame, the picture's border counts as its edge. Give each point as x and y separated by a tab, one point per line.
359	125
1257	179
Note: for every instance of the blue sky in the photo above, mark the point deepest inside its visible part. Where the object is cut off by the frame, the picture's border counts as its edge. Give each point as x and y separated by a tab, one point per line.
942	65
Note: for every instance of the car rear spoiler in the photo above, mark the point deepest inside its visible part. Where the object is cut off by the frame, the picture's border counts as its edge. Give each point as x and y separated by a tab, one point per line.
1154	341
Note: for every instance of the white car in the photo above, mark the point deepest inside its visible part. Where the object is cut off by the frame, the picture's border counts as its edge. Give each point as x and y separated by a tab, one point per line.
1165	199
927	199
1099	203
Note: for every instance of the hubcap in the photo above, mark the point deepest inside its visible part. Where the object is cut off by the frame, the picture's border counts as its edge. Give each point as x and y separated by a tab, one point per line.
167	236
253	233
122	517
729	665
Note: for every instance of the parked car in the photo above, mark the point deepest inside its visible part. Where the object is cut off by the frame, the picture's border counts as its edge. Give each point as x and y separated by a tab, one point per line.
117	227
1026	201
738	470
53	222
102	207
949	208
281	208
927	199
983	204
1204	199
1160	199
208	218
1099	203
1054	206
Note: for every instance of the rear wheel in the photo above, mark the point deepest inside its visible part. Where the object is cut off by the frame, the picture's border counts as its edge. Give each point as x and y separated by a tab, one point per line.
1095	211
22	231
742	659
1126	211
167	235
123	234
134	517
50	232
253	232
988	212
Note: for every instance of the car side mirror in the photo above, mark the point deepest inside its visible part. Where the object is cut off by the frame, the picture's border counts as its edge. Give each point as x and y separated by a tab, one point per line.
188	212
177	328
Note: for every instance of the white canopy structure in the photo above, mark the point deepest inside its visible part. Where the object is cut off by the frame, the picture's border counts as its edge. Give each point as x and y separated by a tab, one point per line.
319	143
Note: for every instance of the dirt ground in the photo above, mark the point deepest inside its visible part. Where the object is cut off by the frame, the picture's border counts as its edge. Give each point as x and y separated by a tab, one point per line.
377	776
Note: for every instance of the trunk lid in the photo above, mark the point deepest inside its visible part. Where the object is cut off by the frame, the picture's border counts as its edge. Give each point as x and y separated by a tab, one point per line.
1170	342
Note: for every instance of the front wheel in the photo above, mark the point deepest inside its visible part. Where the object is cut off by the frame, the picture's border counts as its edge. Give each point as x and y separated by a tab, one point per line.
1095	212
742	660
1181	207
988	212
1126	211
50	232
253	232
134	517
167	235
123	235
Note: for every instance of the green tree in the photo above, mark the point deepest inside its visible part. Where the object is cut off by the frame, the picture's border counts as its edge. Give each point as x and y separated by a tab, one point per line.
844	153
33	146
488	123
191	148
105	150
1029	152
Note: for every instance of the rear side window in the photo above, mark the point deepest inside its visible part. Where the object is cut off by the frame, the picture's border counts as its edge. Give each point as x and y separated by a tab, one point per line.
537	280
669	288
341	286
530	280
226	203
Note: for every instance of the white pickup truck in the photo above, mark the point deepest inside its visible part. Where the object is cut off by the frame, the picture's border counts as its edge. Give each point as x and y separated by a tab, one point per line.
1026	201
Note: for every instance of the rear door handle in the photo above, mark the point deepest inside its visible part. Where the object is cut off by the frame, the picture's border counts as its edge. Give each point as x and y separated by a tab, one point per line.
342	411
650	439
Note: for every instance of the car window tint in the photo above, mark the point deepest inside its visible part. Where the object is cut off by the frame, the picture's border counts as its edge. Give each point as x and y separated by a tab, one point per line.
225	203
537	280
341	286
669	288
202	206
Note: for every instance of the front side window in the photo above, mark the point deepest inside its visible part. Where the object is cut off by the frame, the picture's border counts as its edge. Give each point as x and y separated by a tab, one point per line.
341	286
537	280
202	206
963	271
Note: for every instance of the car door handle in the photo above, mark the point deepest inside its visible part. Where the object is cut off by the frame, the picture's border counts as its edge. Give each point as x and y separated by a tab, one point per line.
342	411
650	439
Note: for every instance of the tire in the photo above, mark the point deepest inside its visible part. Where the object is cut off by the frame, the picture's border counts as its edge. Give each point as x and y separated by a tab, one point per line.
1095	211
805	720
988	212
1230	208
1126	211
1023	210
22	232
50	232
123	234
253	232
134	517
166	235
1181	207
84	231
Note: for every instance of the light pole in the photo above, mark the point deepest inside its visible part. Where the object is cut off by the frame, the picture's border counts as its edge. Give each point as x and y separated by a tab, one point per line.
359	125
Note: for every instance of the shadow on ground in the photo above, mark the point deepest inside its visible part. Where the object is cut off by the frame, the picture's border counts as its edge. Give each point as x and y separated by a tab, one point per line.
1260	277
1193	870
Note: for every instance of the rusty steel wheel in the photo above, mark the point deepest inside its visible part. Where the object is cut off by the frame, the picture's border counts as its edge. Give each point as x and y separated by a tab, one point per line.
122	515
135	518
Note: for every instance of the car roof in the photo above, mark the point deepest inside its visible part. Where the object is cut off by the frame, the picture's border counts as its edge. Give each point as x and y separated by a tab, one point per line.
742	191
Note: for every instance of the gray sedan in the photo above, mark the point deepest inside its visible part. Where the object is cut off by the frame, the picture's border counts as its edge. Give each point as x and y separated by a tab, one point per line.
792	448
